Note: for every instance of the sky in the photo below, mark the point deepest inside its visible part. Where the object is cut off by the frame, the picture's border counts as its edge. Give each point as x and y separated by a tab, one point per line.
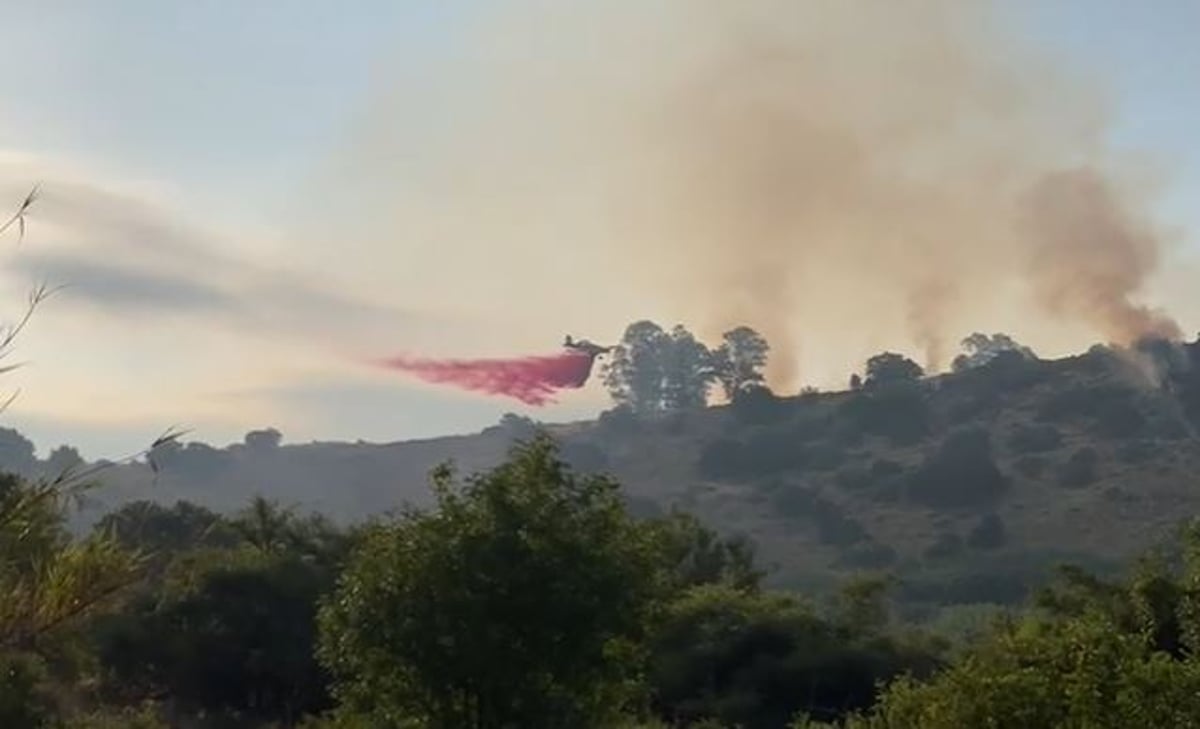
195	160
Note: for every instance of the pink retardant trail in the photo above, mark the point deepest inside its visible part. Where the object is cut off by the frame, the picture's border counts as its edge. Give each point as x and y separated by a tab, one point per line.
532	380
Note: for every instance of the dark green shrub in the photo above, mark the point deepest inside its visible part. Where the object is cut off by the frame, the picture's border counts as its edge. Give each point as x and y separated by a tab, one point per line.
898	411
960	474
756	404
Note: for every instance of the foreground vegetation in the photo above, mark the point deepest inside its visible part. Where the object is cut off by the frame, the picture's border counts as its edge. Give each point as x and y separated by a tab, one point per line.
530	597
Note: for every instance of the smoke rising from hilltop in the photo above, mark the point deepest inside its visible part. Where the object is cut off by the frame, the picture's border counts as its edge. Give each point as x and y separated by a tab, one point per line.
824	171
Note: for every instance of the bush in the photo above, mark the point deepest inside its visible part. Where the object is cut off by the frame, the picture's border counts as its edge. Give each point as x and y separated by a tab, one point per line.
1037	438
756	404
960	474
1080	469
898	412
25	700
989	533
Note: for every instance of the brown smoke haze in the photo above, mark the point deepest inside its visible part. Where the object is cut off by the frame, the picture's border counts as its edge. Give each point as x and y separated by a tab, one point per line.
842	175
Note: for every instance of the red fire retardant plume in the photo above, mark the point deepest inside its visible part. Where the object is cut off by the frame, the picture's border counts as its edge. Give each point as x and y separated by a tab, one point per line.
532	380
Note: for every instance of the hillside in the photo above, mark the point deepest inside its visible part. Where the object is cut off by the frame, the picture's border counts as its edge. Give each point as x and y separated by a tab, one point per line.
969	485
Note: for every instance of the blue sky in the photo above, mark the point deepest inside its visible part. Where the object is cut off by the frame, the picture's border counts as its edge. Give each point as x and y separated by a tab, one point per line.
1147	54
223	116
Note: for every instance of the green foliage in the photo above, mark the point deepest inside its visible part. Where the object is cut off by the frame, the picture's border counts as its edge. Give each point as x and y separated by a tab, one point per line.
982	350
25	701
1080	673
519	601
739	360
696	555
231	631
889	368
47	580
960	474
162	531
895	408
755	660
265	440
654	371
17	453
757	405
517	427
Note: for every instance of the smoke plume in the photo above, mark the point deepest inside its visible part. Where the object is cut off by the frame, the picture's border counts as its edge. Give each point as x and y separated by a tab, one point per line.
532	380
843	175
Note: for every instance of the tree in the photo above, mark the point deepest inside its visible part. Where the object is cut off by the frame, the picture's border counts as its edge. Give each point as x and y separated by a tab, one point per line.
739	361
518	601
1076	673
890	368
151	528
687	372
982	349
47	579
17	453
635	372
63	460
653	371
757	659
263	441
697	555
229	631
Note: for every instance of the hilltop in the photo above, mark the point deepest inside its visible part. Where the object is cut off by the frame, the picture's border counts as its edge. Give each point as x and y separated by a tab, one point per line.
969	485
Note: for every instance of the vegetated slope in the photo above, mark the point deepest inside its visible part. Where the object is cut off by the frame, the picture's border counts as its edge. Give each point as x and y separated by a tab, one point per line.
969	485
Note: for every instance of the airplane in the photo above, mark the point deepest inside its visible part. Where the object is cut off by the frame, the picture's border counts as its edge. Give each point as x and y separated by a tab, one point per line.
586	347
